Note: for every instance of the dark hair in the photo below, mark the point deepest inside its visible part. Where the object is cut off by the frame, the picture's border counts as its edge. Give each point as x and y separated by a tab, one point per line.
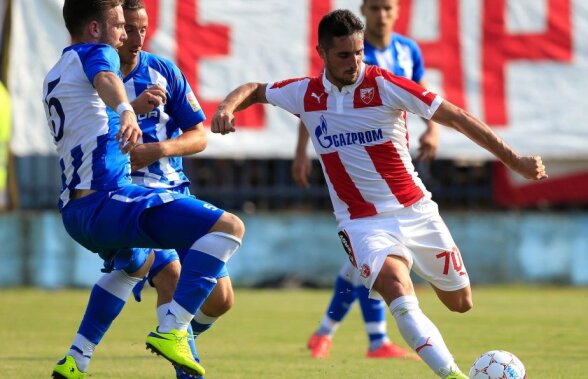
131	5
338	23
77	13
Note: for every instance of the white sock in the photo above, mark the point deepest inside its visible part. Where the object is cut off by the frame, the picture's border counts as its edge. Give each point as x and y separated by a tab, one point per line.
82	359
328	327
161	311
422	335
218	244
204	319
175	317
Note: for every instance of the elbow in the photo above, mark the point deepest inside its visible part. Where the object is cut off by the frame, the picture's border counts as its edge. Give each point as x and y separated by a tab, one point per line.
201	144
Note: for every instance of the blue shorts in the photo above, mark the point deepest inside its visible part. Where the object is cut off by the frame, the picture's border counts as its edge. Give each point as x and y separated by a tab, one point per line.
122	226
164	257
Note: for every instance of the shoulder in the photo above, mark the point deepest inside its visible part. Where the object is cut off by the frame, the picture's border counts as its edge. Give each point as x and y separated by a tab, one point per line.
375	72
405	41
163	66
157	60
286	82
85	50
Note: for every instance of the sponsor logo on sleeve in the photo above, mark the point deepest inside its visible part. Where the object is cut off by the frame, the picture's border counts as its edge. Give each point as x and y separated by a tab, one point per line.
192	101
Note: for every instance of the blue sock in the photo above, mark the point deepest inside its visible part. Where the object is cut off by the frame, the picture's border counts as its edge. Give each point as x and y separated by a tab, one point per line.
343	297
199	328
107	299
103	307
197	279
374	317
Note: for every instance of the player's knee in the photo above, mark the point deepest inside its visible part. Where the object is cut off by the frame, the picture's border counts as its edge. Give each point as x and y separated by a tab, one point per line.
230	224
391	288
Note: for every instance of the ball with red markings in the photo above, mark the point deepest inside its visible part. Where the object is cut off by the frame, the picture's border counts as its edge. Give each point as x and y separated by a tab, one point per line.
498	364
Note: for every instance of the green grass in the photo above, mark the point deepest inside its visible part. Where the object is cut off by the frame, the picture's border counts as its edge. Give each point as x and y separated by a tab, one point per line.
264	335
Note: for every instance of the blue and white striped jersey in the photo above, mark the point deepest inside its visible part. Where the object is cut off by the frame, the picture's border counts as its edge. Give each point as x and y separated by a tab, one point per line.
181	111
84	129
402	57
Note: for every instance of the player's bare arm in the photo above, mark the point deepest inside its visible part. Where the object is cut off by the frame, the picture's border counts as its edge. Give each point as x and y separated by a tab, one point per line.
111	91
149	99
301	165
530	167
223	121
191	141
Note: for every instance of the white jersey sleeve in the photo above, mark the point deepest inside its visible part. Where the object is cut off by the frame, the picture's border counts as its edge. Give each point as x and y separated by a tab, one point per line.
401	93
287	94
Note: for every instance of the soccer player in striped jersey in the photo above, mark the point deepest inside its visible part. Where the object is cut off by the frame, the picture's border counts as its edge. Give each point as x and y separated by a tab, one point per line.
171	120
388	223
401	56
94	128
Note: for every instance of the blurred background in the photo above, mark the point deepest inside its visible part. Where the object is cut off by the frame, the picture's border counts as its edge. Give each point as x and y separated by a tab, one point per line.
519	65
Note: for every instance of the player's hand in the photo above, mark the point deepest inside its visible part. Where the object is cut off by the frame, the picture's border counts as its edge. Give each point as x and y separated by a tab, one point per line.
531	167
301	167
223	122
144	154
149	99
428	143
129	134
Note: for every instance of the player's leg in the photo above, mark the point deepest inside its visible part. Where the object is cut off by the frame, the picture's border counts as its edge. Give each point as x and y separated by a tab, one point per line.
344	294
209	237
376	327
385	251
394	284
219	302
107	299
202	264
165	271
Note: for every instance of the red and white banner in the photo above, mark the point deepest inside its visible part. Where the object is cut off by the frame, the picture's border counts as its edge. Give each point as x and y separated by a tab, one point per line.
520	65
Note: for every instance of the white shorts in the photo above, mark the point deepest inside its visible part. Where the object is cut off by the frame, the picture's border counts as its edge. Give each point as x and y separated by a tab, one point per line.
416	233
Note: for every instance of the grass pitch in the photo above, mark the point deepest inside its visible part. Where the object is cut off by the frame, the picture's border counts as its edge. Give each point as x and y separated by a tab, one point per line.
264	335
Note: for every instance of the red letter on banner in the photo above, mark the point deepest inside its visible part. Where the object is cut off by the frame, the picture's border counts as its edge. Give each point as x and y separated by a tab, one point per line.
318	8
445	53
196	41
499	48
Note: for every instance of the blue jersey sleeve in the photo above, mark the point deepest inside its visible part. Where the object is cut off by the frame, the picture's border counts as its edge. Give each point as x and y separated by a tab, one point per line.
96	58
418	70
368	54
184	106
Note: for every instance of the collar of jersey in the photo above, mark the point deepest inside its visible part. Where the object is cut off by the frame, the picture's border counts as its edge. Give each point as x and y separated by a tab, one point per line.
330	88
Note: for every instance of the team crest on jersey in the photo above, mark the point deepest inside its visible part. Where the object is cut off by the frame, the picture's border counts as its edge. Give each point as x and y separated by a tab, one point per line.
366	94
193	102
365	271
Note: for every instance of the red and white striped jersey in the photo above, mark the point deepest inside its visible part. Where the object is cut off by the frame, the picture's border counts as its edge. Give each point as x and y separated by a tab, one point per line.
361	137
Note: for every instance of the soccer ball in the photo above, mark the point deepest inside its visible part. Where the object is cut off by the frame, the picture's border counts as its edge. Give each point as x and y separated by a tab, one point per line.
498	364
